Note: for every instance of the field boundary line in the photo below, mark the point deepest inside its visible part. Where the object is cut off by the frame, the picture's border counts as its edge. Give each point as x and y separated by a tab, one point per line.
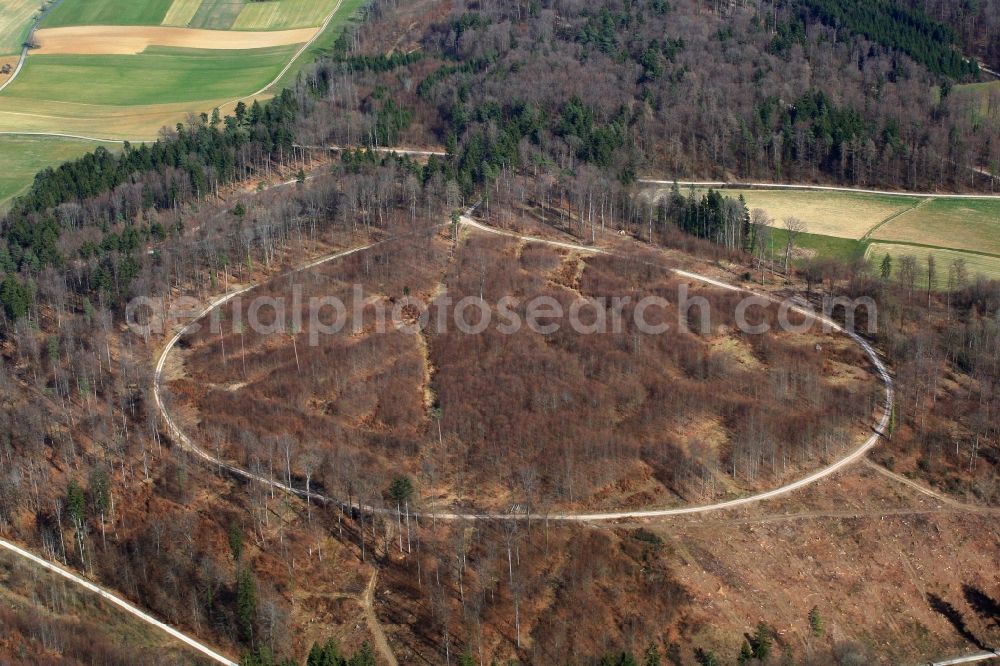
72	136
117	601
868	234
978	253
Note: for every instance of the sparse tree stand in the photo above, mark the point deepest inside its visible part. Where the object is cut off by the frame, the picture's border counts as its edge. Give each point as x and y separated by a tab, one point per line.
931	277
456	217
793	227
293	331
401	492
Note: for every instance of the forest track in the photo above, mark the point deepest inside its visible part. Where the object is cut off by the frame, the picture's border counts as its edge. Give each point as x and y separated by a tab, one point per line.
367	601
736	185
853	456
930	492
117	601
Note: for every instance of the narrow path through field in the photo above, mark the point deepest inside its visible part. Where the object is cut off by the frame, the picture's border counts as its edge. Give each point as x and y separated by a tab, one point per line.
65	136
868	234
117	601
980	253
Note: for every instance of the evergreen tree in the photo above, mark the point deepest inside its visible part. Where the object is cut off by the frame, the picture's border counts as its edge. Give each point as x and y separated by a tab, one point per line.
762	641
15	297
706	658
246	603
401	489
815	621
746	654
365	656
76	504
327	654
235	537
886	269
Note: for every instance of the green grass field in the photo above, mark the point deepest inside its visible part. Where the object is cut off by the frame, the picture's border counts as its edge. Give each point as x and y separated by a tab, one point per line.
976	264
16	17
107	12
816	245
22	157
960	224
157	76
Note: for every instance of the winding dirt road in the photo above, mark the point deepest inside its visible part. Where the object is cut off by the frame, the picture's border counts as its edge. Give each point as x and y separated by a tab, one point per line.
188	444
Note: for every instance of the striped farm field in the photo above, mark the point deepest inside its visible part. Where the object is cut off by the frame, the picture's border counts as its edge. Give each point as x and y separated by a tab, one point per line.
107	12
961	224
282	14
976	264
216	14
16	17
181	13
